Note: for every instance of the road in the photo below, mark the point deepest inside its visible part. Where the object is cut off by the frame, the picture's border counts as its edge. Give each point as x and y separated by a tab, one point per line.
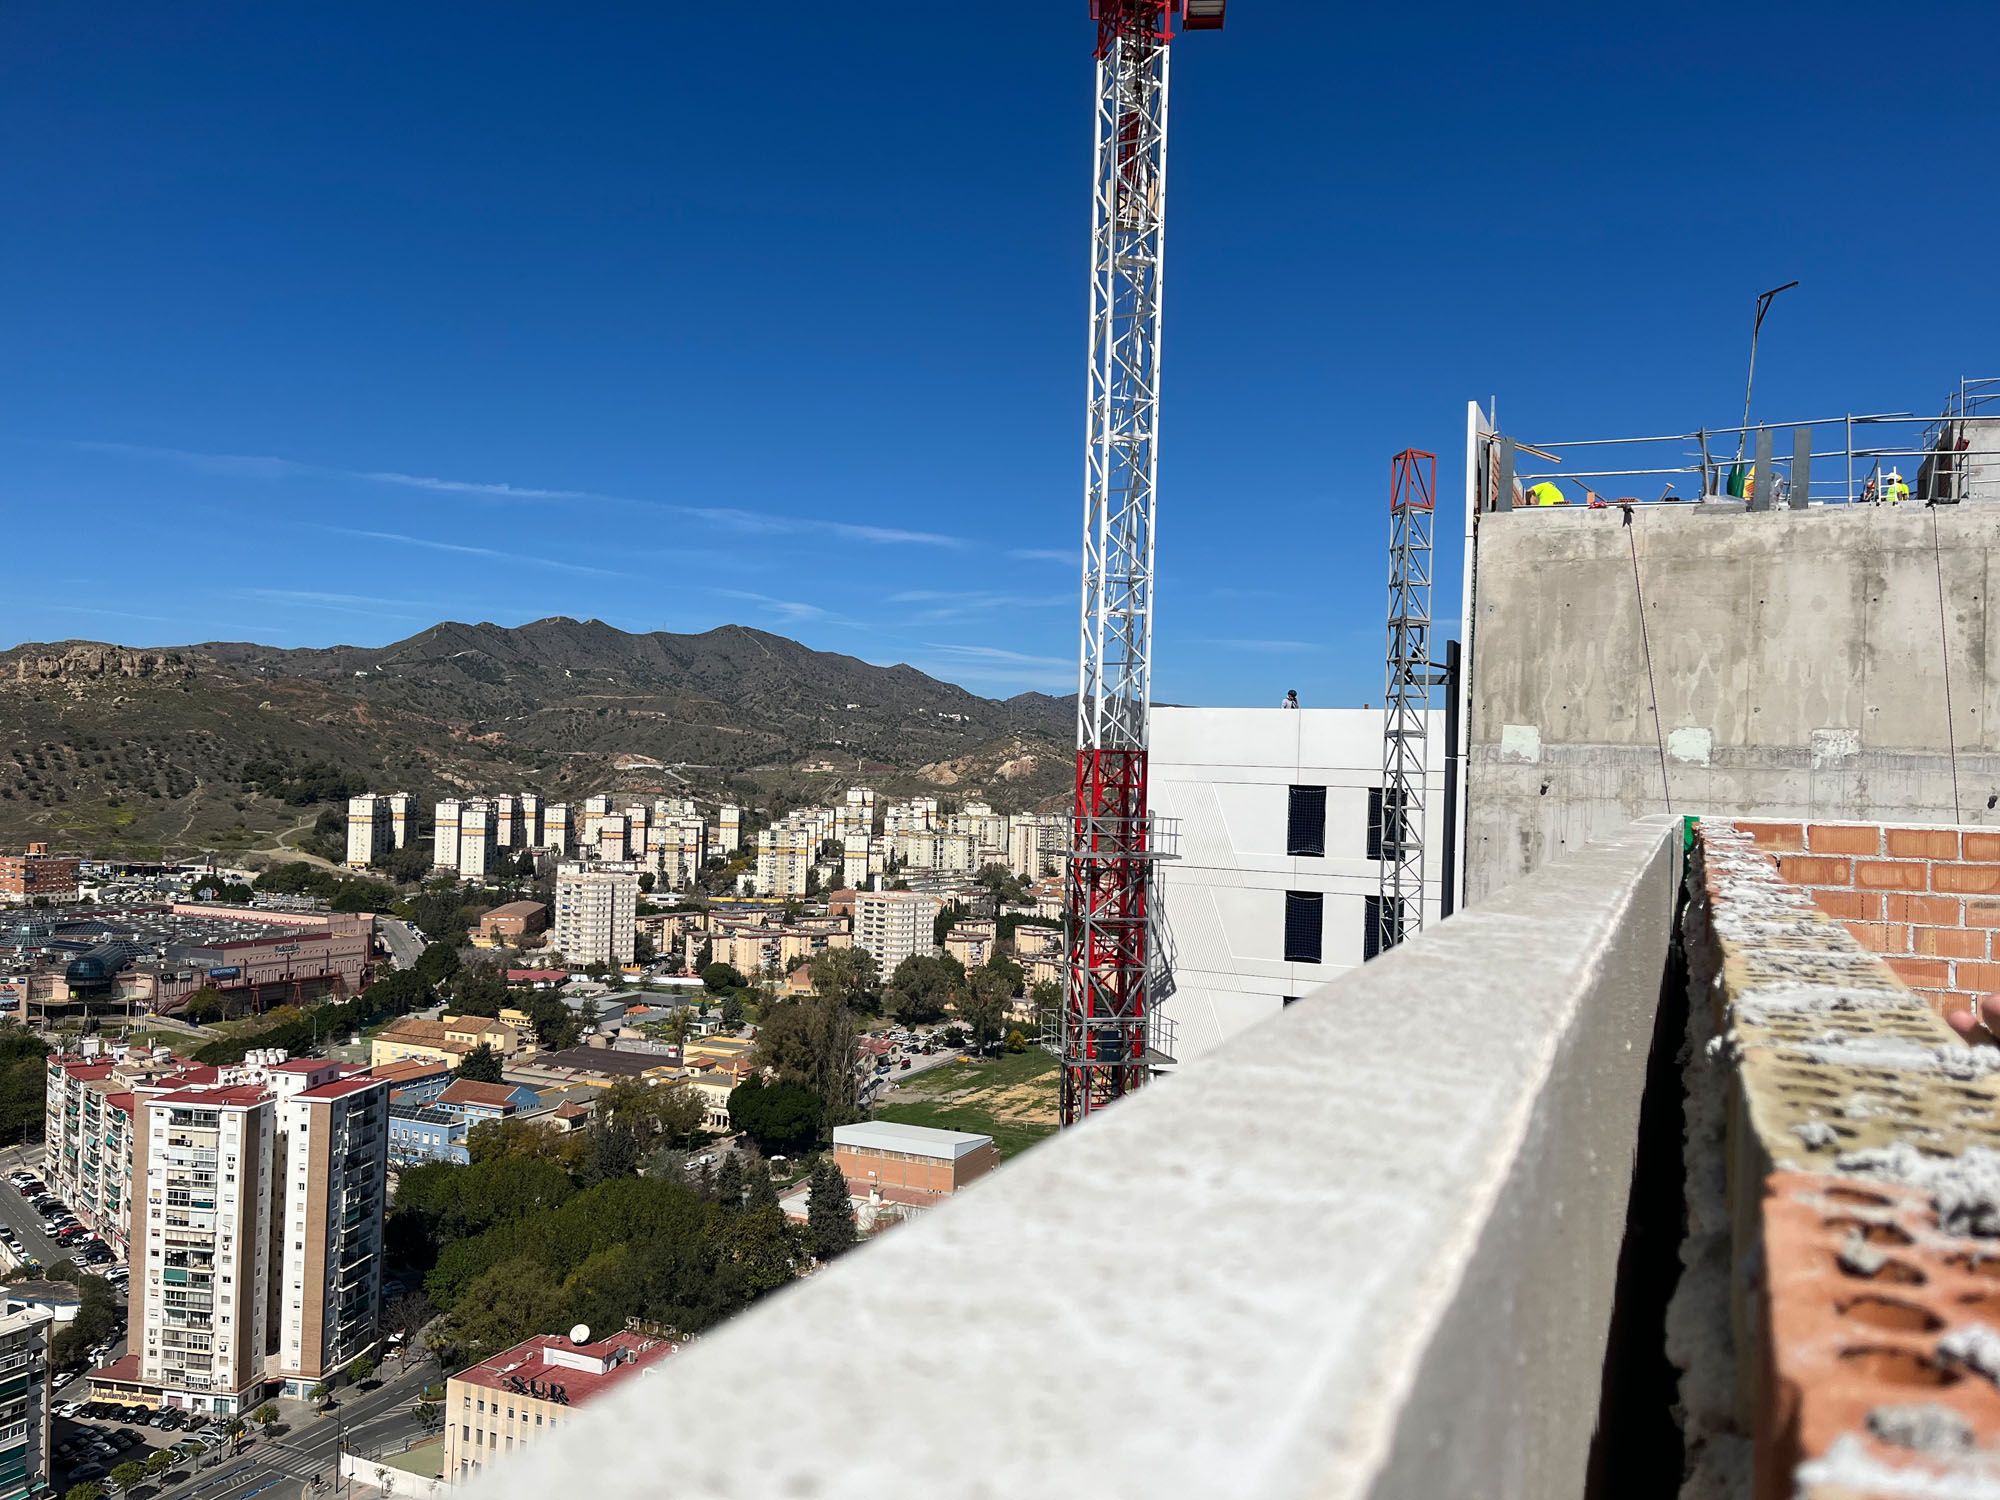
404	946
284	1467
18	1214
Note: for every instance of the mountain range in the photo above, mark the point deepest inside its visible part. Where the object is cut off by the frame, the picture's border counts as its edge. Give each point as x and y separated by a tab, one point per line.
113	748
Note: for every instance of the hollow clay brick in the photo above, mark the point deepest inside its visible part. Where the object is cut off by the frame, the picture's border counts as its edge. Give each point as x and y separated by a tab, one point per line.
1891	875
1845	838
1968	880
1923	843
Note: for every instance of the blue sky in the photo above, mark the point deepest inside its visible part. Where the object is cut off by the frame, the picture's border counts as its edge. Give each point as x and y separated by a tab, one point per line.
321	323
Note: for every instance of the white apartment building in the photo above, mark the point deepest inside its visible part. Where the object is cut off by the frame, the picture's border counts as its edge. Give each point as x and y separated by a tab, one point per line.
531	821
370	832
399	820
678	848
1037	844
597	908
507	822
261	1200
444	833
1275	890
24	1402
894	925
478	841
558	830
87	1161
728	828
918	815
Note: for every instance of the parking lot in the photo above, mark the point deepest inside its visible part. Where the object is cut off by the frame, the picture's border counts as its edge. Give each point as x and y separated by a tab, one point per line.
38	1228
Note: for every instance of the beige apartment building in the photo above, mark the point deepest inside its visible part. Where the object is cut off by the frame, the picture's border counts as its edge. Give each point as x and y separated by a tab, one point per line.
501	1405
257	1247
24	1402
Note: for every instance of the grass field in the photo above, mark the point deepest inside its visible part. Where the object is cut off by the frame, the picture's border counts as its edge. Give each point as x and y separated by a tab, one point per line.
1011	1098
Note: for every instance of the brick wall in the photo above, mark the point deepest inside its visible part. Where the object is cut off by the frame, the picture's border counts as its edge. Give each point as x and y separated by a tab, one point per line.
1843	1258
1926	899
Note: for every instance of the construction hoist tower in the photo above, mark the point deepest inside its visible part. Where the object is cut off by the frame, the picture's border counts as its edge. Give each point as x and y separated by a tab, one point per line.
1106	1018
1406	705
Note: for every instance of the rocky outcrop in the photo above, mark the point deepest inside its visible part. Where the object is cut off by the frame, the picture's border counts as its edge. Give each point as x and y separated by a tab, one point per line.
81	664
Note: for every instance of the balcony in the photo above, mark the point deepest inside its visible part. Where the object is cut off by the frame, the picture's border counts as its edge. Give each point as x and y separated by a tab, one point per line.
1421	1237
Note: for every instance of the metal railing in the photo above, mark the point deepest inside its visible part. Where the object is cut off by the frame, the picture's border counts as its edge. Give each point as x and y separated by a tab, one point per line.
1826	461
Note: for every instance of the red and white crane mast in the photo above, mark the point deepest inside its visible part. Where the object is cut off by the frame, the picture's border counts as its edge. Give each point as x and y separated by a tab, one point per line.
1106	1015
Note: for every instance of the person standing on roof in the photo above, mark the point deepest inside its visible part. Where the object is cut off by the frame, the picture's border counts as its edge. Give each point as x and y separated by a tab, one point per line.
1546	493
1291	698
1899	490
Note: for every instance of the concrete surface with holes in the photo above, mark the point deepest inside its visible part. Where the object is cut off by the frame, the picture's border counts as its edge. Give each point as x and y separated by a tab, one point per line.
1798	656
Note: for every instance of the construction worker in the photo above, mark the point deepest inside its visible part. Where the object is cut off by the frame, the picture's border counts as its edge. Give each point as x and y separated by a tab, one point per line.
1898	490
1546	493
1291	698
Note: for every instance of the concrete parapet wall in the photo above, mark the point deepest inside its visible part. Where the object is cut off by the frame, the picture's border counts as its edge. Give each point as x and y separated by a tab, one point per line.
1368	1248
1851	1235
1798	656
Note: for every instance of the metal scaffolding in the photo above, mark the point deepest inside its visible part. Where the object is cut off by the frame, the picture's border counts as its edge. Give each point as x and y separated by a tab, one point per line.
1406	705
1109	980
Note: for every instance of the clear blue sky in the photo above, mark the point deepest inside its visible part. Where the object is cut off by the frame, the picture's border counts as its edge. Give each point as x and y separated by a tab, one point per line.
321	323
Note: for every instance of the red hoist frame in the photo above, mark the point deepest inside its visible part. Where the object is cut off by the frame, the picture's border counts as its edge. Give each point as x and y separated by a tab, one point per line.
1107	1015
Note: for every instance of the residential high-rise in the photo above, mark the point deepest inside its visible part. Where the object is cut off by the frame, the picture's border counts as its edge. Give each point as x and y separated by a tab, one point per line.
728	828
259	1255
597	906
399	820
558	830
24	1402
894	925
613	835
445	833
1036	845
531	821
478	841
507	822
370	833
784	856
333	1134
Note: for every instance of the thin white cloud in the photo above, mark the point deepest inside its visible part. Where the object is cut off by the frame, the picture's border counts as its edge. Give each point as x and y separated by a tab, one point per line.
733	518
464	550
790	610
366	605
1045	554
997	654
1268	647
109	614
946	605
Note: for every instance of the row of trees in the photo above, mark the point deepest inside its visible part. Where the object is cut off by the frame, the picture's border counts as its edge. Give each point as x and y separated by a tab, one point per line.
341	892
24	1084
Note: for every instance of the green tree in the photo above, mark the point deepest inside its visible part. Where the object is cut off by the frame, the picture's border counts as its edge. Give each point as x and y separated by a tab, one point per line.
481	1065
1001	885
128	1476
361	1369
729	1182
84	1491
1016	1042
921	988
844	974
731	1013
437	963
203	1006
498	1309
782	1118
319	1395
983	1007
829	1211
763	1187
647	880
1010	973
428	1413
720	977
479	990
265	1416
612	1152
158	1462
644	951
812	1043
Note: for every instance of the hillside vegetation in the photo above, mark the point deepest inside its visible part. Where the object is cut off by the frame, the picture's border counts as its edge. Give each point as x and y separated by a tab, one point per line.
233	746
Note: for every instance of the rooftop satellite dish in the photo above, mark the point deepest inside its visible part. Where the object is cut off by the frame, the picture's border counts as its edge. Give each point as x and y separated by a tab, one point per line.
580	1334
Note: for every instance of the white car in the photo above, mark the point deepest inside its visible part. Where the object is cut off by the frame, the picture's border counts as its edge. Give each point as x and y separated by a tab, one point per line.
69	1408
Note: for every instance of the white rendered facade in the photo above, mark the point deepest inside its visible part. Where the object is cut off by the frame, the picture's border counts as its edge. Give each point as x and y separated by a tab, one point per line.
894	925
597	908
1227	774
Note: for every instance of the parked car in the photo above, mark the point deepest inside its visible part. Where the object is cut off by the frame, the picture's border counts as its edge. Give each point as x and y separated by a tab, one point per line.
69	1408
125	1437
90	1470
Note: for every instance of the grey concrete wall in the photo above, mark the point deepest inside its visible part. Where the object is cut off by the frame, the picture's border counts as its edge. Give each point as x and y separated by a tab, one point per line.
1799	657
1365	1249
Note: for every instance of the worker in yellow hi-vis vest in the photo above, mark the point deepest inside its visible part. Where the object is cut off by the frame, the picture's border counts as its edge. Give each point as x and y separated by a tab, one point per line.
1897	488
1546	493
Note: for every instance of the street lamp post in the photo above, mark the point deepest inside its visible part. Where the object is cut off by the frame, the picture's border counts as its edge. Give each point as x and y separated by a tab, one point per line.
1764	300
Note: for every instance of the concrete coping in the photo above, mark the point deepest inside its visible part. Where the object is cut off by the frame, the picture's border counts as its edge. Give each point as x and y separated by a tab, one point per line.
1366	1249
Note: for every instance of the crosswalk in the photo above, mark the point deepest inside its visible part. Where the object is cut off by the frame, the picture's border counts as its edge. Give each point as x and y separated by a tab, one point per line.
295	1463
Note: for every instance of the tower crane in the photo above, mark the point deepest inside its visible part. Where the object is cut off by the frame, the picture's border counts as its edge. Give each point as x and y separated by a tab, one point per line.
1106	1018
